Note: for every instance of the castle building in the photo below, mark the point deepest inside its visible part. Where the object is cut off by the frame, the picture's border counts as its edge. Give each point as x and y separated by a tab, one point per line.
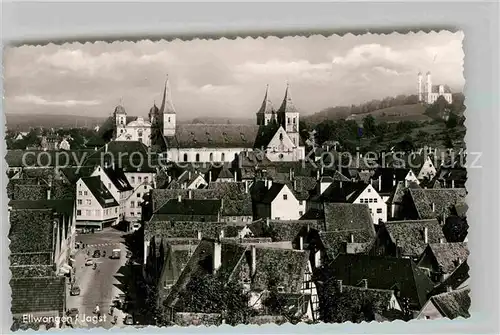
428	93
131	129
276	133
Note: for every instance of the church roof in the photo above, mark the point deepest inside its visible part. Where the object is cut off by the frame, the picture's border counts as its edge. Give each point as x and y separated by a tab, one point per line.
435	89
287	106
167	107
120	110
267	106
213	136
139	122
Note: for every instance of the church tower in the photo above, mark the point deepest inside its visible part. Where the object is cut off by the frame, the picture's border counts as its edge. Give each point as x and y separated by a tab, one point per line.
428	87
266	112
288	117
168	111
120	117
420	88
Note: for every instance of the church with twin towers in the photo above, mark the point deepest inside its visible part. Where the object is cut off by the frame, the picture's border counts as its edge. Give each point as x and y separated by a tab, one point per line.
276	132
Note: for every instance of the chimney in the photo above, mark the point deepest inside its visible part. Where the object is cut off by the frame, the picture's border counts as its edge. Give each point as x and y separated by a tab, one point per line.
364	283
340	184
291	174
352	238
379	183
221	235
441	240
433	205
48	193
449	288
322	170
397	249
301	243
295	185
235	177
106	147
199	235
269	183
246	186
393	180
210	176
217	256
452	183
169	179
189	175
254	260
267	222
190	194
339	285
426	235
179	198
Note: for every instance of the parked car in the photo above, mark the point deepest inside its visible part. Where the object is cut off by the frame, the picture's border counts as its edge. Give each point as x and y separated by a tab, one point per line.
129	320
97	254
129	254
75	290
136	226
116	254
89	262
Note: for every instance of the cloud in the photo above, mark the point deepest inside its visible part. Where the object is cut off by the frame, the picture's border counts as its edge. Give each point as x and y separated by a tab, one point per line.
37	100
84	62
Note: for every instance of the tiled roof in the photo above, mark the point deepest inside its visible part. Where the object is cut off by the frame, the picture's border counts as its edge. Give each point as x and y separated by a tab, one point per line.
272	193
409	235
453	304
190	207
30	295
62	206
456	279
397	195
31	230
342	192
213	136
100	192
167	106
42	158
347	217
435	89
355	297
383	273
442	199
339	242
282	230
267	106
118	178
72	174
449	255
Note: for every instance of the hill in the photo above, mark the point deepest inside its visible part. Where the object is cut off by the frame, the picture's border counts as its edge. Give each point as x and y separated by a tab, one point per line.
23	122
415	112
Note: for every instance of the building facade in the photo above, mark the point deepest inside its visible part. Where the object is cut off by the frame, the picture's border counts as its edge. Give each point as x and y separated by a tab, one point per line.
428	93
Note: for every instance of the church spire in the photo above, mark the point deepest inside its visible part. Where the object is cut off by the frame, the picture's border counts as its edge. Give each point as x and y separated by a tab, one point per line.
267	106
167	107
287	105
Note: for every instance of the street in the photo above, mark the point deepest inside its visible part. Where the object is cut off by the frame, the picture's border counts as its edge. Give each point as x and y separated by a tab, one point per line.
99	287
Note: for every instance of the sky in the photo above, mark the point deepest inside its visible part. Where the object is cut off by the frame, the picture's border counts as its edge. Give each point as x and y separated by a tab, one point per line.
226	78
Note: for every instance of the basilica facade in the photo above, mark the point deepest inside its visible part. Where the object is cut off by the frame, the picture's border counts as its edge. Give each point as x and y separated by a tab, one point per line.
276	133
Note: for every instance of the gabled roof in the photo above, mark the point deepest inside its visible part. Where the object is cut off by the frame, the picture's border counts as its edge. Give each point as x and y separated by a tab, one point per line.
62	206
387	178
287	106
342	192
72	174
272	193
453	304
31	295
435	89
383	273
40	158
100	192
282	230
118	178
449	255
442	199
409	235
131	156
167	106
455	280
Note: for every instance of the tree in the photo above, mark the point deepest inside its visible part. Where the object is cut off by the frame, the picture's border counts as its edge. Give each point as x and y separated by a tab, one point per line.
369	125
452	121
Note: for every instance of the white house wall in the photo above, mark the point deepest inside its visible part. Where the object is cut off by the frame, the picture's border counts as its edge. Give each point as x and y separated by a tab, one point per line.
286	209
377	205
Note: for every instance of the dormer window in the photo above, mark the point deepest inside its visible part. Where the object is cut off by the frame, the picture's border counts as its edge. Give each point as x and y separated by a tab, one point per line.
281	289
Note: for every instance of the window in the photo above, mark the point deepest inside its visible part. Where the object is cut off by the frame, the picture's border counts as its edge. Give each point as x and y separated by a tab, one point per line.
185	157
197	157
131	213
300	202
289	121
293	120
369	190
88	202
277	218
139	179
80	201
371	211
370	200
140	133
222	157
88	212
80	193
132	179
211	157
85	193
375	200
145	187
379	210
146	179
301	213
285	196
116	210
132	204
281	289
97	212
78	212
138	195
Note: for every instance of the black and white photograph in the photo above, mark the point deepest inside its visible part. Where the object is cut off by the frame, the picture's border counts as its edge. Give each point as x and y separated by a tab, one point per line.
247	181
